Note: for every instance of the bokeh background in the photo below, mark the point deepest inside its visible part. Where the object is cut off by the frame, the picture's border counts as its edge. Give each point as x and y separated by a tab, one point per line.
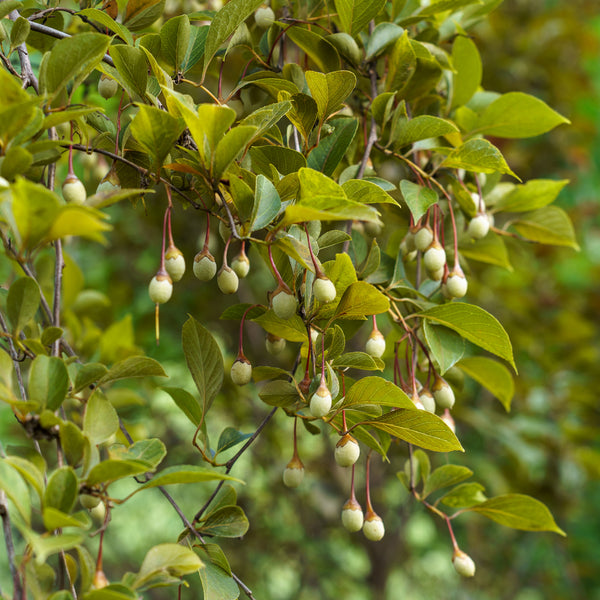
548	446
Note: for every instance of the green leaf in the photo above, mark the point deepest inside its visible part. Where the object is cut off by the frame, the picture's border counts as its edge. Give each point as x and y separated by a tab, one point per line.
142	13
15	489
217	583
29	471
548	225
132	67
22	302
8	6
34	208
48	381
360	300
402	64
356	14
89	374
475	325
518	115
72	442
366	192
133	366
464	495
230	147
330	90
174	41
225	22
62	490
303	114
78	220
100	421
279	393
195	50
156	131
383	35
73	57
519	512
468	70
19	32
104	19
186	403
318	49
16	161
358	360
417	198
445	476
185	474
327	208
376	390
228	521
151	451
331	149
266	117
477	155
56	519
267	204
491	250
231	437
114	591
446	346
113	469
292	329
536	193
204	360
418	427
174	560
492	375
407	131
45	546
285	160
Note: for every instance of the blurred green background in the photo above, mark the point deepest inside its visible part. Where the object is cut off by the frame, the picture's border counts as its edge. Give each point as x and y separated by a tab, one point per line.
548	446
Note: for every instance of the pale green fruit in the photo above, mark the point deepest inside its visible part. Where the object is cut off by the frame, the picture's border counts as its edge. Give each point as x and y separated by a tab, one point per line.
98	512
264	17
174	263
434	257
423	238
88	501
205	266
320	402
293	473
463	563
436	275
456	284
241	265
447	418
427	400
375	345
160	289
352	516
324	290
275	345
107	87
373	527
443	394
241	371
73	190
284	304
347	451
479	226
227	280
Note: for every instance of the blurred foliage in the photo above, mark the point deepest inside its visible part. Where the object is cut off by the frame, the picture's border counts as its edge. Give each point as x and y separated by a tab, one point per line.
548	447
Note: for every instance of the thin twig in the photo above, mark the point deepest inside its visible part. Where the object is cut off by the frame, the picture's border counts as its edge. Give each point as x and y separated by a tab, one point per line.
138	168
27	75
10	548
58	274
234	232
14	355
